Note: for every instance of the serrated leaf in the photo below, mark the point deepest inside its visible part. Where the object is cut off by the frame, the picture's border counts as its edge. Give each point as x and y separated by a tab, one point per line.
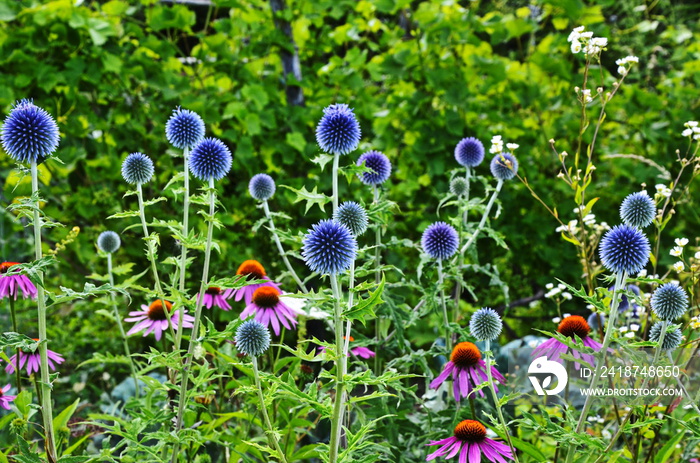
365	307
311	197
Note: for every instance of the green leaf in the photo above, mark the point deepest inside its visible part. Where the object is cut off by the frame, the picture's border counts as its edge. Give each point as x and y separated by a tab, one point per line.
296	141
365	307
667	451
61	420
311	197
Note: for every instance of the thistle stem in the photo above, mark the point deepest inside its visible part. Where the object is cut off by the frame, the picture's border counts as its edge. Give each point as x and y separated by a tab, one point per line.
446	320
492	388
465	213
283	254
620	279
15	328
45	383
348	326
120	326
492	200
185	232
270	438
340	368
377	270
336	162
197	315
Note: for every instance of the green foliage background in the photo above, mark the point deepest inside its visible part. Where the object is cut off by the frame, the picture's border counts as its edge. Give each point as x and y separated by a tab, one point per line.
420	75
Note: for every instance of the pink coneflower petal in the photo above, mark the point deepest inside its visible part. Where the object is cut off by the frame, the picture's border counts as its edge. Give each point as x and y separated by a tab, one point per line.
454	450
363	352
442	450
463	454
449	366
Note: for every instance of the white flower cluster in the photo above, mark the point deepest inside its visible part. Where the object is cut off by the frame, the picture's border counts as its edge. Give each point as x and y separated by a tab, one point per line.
583	41
588	220
496	145
695	322
679	266
663	190
556	290
677	250
629	331
692	130
622	64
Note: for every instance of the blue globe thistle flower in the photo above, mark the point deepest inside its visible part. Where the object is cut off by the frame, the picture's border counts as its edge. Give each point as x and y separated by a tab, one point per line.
261	187
252	338
338	131
504	166
109	242
485	324
329	247
210	159
624	249
29	134
137	169
458	186
469	152
184	129
353	216
638	210
672	339
669	302
440	240
379	163
593	321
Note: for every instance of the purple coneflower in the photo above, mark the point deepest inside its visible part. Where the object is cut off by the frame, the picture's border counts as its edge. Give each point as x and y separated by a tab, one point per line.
270	310
362	352
571	326
215	296
6	399
9	284
468	371
254	271
33	361
155	318
470	442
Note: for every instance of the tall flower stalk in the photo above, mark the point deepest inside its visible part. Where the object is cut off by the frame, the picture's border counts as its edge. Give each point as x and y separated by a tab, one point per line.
280	249
341	369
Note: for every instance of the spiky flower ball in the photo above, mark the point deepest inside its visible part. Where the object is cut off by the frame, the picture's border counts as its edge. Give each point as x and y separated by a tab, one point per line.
504	166
252	338
338	131
440	240
469	152
261	187
109	242
638	210
137	169
485	324
353	216
210	159
29	133
458	186
380	165
329	247
624	249
672	339
669	302
184	129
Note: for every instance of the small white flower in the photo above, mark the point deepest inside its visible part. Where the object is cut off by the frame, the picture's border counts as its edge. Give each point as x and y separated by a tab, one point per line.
512	146
634	327
676	251
599	41
691	124
660	187
556	319
561	286
624	329
629	335
681	241
697	255
586	34
679	266
549	285
552	292
566	315
642	273
566	295
575	34
576	47
586	96
687	132
622	70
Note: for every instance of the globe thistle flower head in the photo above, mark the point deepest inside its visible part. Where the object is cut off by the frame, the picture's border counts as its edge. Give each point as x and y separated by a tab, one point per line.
252	338
353	216
261	187
109	242
210	159
184	129
672	339
669	302
338	131
380	165
624	249
458	186
137	169
638	210
594	321
469	152
329	247
29	134
485	324
504	166
440	240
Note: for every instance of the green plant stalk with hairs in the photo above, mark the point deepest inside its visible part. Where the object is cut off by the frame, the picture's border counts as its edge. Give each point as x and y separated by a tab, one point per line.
280	249
464	212
496	402
480	227
185	232
197	315
340	369
263	408
443	303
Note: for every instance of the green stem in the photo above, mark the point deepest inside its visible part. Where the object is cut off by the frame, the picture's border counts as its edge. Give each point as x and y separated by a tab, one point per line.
15	328
340	368
45	384
185	232
270	430
496	402
446	320
348	325
197	315
620	279
283	254
499	185
465	213
120	326
336	161
377	270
